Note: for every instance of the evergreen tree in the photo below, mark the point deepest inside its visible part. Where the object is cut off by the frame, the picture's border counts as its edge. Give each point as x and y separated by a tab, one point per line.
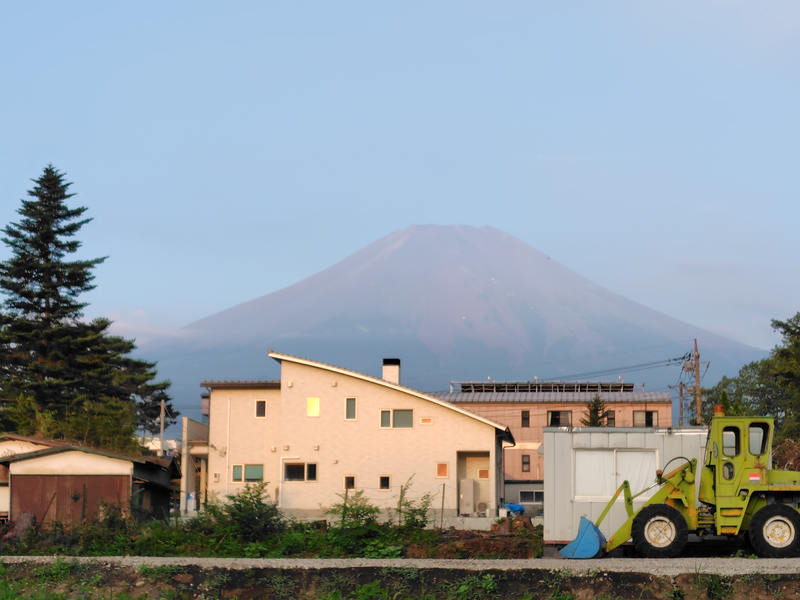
61	376
785	368
596	413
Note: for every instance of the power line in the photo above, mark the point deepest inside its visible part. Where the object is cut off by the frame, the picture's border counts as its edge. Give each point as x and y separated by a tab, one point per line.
625	369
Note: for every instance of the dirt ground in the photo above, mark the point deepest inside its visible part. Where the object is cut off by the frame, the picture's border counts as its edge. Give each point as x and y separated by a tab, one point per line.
101	578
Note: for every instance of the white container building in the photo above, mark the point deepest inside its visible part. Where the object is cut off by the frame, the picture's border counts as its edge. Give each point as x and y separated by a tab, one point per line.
583	467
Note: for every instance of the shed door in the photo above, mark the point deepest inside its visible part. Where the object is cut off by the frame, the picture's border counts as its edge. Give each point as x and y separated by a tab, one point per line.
66	498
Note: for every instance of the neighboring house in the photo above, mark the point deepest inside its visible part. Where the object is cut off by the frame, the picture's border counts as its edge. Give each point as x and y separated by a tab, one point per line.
71	483
323	431
10	445
527	407
585	466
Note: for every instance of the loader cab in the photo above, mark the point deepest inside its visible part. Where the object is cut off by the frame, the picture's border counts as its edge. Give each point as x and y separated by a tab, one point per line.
738	455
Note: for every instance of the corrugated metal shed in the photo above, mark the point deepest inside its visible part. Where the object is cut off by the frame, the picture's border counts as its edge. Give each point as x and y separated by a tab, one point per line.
583	467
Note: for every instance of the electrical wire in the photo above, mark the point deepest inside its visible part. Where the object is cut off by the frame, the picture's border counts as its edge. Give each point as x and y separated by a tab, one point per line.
626	369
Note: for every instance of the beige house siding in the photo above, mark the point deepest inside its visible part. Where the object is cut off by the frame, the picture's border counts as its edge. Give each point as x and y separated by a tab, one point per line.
340	447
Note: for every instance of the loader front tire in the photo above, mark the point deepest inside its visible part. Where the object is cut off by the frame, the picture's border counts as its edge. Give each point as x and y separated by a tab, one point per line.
775	531
659	531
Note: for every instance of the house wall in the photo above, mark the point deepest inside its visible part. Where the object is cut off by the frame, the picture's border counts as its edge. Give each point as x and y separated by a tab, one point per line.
73	463
571	490
67	498
10	448
68	486
341	447
529	439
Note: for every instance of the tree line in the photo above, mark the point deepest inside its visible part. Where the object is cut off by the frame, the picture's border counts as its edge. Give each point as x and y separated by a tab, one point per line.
63	376
769	387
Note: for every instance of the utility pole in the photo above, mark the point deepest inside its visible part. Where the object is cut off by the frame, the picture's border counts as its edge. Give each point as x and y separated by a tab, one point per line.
691	364
696	380
162	427
680	387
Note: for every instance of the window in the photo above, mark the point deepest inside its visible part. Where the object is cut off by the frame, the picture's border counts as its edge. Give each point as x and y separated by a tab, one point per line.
645	418
730	441
247	473
350	409
757	434
441	469
526	418
559	418
384	482
402	418
300	472
611	420
526	463
253	473
598	473
294	472
531	497
312	407
261	409
397	418
349	482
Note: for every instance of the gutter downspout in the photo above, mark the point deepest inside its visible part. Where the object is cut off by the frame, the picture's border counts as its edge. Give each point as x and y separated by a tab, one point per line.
228	450
185	458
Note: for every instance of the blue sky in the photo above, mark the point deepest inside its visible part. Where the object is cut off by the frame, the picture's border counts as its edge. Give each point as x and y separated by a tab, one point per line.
226	150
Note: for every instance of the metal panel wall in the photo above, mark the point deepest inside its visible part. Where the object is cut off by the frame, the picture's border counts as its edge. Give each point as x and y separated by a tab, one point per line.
66	498
562	512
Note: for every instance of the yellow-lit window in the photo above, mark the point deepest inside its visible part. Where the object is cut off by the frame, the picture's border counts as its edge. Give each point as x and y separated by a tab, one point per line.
312	409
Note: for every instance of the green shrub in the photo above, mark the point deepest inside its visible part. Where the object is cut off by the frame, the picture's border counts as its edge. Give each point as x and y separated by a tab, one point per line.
354	510
412	513
247	516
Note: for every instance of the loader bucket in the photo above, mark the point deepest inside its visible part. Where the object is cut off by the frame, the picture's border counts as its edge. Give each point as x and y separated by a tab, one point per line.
589	543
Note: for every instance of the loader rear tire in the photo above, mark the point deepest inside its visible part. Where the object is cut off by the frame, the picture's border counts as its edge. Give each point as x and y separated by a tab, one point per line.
659	531
775	531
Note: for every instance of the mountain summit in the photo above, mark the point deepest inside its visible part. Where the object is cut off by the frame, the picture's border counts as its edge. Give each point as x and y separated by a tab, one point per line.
454	303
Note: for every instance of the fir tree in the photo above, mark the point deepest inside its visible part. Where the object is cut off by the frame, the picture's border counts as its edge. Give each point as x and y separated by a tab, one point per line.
61	376
596	413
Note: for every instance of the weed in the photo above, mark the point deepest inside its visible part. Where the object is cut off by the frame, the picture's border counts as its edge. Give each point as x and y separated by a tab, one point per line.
474	587
718	588
676	594
557	582
281	587
159	572
56	572
370	591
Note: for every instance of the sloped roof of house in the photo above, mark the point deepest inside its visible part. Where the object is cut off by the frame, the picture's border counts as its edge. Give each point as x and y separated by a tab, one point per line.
68	448
554	397
242	385
142	464
387	384
32	439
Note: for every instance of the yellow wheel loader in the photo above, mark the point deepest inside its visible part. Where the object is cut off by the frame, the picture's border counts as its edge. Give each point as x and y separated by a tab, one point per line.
738	494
